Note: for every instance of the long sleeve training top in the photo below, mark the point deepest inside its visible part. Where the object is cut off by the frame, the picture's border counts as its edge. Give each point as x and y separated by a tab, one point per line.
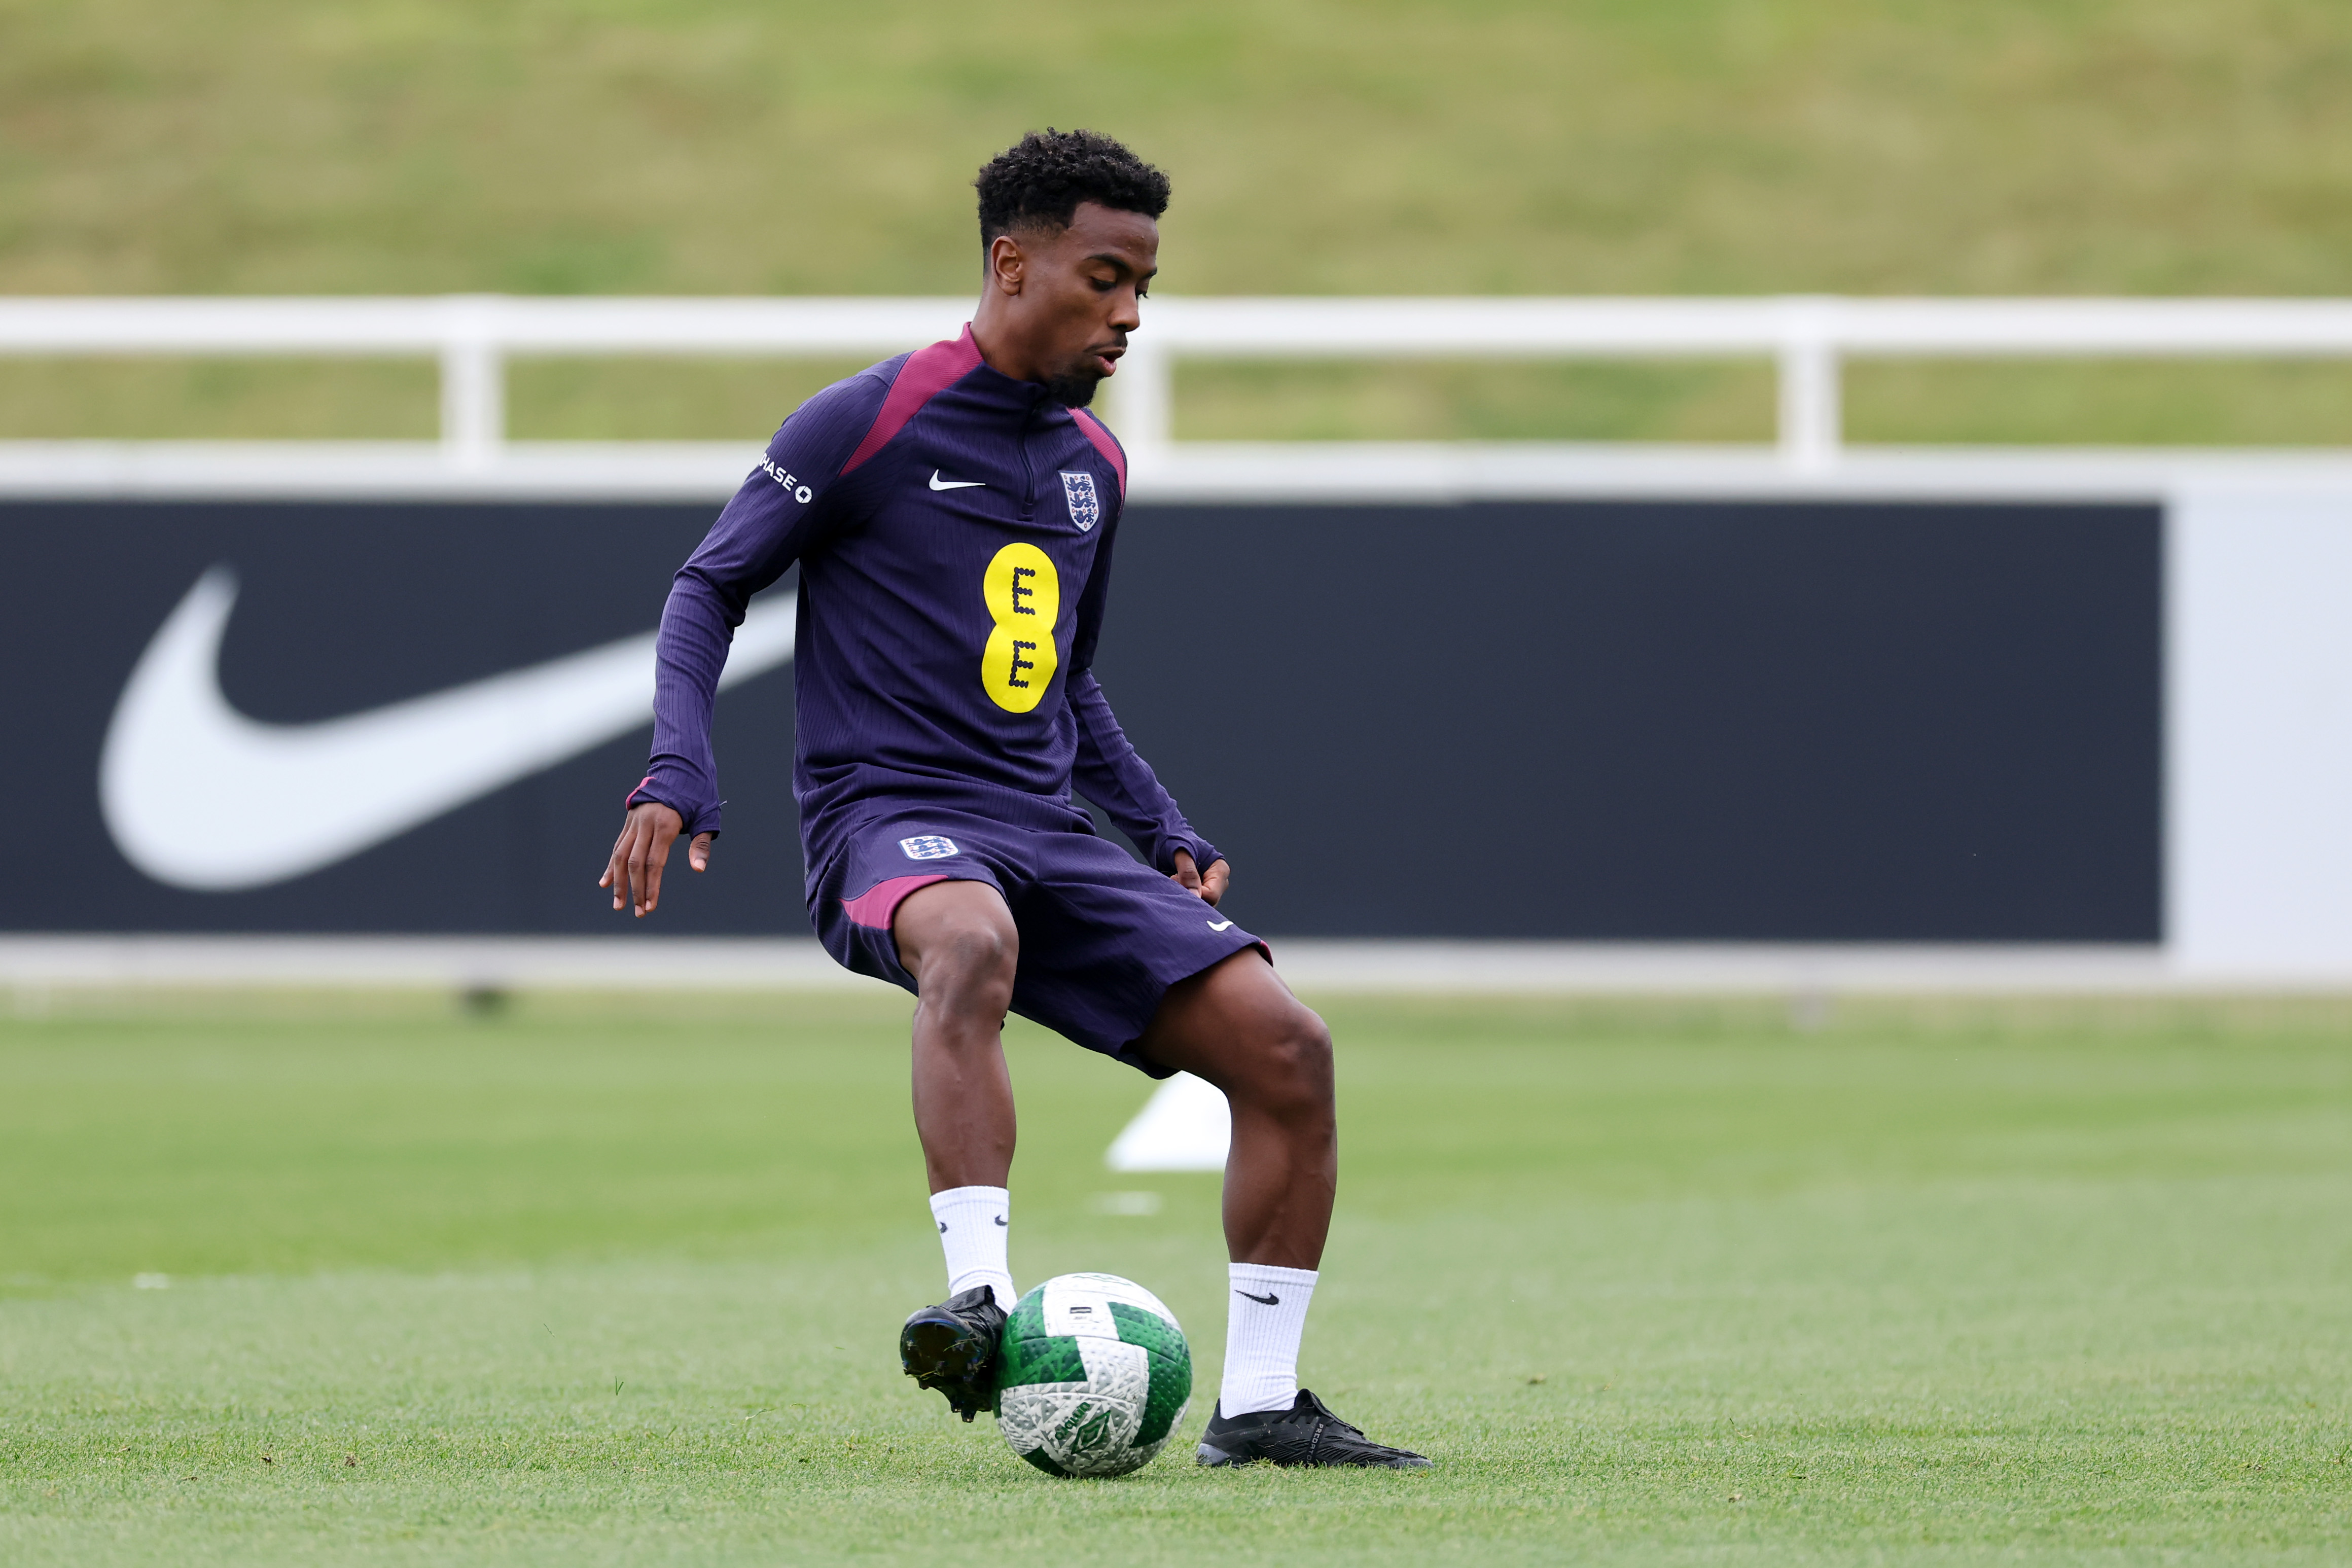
953	527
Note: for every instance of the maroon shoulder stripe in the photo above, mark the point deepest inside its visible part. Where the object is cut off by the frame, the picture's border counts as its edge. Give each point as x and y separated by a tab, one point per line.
1101	438
926	374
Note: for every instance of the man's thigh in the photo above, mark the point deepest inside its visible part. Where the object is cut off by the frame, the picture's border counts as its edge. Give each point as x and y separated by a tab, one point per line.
1231	1023
886	860
936	920
1102	940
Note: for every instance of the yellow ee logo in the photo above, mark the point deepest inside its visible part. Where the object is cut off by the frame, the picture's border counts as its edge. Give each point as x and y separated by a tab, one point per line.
1024	594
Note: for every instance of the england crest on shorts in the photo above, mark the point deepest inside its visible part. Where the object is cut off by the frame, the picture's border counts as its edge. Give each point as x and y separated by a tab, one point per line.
928	846
1086	511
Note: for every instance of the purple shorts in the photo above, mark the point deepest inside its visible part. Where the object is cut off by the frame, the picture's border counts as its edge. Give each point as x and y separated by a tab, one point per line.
1102	936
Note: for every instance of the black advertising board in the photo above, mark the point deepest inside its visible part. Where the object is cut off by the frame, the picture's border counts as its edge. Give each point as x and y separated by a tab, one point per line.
1718	721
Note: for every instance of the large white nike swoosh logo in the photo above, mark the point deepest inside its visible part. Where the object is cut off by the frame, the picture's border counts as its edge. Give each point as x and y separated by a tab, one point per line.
198	795
1220	925
939	484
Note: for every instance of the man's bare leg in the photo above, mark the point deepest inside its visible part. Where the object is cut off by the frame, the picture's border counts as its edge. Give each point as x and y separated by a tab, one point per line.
958	939
1237	1026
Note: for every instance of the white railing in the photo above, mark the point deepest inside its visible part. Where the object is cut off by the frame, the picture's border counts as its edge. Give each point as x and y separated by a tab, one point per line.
1809	338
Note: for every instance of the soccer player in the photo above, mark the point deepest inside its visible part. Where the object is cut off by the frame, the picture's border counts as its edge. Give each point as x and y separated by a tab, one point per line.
952	513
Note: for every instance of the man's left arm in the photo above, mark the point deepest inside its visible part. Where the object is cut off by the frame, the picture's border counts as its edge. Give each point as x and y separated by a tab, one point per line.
1108	771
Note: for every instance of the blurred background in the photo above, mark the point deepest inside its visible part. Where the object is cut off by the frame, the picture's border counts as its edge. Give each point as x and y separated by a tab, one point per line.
2016	147
1948	721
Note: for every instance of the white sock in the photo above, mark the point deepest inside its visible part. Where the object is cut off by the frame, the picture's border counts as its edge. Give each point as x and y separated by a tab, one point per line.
1264	1315
972	1231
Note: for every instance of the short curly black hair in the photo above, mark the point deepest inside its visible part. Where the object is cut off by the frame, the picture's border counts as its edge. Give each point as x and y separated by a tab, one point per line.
1041	179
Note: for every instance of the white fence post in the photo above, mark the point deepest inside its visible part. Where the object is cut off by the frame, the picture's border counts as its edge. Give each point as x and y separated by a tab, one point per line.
1143	399
473	385
1811	411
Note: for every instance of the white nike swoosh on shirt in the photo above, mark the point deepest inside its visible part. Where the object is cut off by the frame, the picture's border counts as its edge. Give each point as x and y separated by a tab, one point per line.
939	484
200	796
1220	925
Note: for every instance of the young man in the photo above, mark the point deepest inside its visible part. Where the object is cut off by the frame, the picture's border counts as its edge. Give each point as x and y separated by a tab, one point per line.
952	513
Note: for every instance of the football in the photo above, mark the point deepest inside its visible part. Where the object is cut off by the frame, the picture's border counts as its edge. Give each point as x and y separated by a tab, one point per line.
1093	1374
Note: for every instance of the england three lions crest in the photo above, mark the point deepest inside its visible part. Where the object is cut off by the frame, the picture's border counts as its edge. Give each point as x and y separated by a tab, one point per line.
1085	509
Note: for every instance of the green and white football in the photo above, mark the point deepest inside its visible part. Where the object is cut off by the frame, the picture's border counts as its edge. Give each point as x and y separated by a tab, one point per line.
1091	1377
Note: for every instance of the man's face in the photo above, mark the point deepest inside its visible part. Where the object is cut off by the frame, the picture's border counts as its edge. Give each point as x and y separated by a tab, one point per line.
1081	294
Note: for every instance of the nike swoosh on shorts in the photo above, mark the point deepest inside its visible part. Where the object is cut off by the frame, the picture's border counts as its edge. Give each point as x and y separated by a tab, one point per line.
939	484
198	795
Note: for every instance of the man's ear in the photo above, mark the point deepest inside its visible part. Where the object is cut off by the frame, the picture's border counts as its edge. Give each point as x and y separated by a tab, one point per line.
1006	264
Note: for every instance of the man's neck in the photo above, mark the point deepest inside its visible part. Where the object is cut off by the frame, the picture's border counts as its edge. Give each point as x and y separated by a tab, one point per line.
1000	347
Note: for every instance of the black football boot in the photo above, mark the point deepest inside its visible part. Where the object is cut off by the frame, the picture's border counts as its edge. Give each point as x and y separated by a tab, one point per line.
952	1347
1305	1434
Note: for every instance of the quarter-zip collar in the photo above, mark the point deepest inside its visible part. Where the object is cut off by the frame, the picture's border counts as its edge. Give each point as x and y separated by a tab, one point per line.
1025	403
993	385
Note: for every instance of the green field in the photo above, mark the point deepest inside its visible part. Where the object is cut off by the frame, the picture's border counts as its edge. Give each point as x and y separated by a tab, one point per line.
1372	146
616	1280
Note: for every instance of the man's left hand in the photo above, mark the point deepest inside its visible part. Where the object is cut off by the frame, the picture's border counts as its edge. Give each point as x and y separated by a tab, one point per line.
1207	886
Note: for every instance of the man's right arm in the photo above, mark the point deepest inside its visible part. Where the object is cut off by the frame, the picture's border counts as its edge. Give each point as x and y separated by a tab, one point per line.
762	532
787	505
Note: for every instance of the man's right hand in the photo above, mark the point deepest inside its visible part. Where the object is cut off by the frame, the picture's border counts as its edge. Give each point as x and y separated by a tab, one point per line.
642	850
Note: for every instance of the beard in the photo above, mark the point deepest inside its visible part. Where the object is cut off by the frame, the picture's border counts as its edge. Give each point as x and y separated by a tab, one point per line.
1074	388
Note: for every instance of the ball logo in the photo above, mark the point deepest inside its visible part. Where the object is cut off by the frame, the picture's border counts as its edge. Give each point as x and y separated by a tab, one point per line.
1086	508
1090	1435
928	846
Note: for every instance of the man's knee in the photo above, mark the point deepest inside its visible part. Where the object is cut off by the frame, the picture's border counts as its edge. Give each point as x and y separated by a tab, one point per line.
961	942
971	955
1291	1066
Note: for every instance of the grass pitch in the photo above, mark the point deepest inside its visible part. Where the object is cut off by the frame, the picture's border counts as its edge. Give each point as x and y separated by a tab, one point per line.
596	1281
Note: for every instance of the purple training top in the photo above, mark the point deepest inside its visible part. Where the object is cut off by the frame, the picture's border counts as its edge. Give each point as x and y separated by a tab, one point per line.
953	527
